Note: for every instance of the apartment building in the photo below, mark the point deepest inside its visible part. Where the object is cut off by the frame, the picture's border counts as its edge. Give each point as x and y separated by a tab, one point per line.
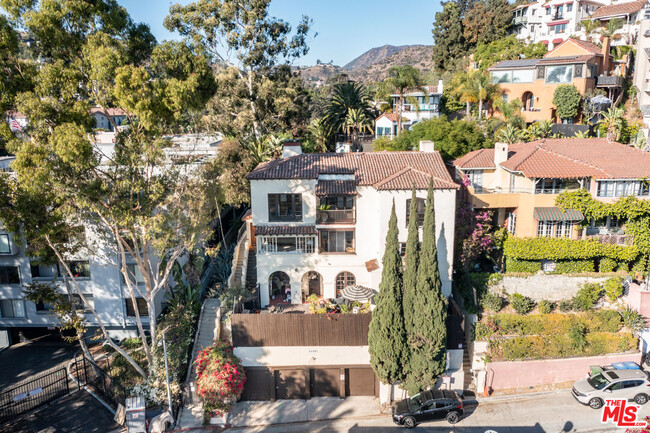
521	182
319	221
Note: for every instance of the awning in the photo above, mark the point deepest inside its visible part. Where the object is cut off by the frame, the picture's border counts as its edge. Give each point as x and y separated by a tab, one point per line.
281	230
558	40
336	187
544	42
557	23
555	214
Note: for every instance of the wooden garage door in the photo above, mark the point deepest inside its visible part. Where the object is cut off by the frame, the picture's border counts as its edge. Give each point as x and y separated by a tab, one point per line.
360	381
258	384
291	383
324	382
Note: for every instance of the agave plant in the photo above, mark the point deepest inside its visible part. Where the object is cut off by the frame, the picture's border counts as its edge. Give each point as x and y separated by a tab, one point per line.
633	319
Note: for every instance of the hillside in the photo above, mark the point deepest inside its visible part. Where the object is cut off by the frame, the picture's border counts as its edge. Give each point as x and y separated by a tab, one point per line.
372	56
373	65
418	56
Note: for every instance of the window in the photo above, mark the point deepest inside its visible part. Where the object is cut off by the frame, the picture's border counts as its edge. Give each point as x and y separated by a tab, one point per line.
504	97
549	186
9	275
523	76
79	268
383	130
142	307
44	271
343	280
421	207
559	28
336	209
512	222
475	179
605	189
337	241
5	246
402	248
285	207
554	229
285	244
500	77
559	74
134	274
569	7
12	308
548	11
512	179
78	303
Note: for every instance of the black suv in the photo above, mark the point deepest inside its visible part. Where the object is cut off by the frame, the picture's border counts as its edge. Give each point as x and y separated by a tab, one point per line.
428	406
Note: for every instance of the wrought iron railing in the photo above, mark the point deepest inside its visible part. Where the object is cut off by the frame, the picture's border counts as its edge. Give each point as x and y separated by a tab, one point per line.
336	216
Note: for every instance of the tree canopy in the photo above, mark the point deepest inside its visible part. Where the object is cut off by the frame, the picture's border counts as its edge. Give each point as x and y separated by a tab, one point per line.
506	48
566	99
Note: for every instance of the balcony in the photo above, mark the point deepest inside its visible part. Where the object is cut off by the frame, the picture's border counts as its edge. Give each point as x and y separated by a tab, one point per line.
336	216
520	20
609	81
612	239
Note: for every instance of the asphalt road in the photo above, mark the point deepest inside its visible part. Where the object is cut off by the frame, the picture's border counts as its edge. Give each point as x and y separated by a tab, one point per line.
549	413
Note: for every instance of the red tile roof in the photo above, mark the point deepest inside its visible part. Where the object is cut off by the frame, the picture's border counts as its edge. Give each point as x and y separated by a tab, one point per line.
386	170
585	45
482	158
570	158
392	117
279	230
336	187
109	111
618	9
567	59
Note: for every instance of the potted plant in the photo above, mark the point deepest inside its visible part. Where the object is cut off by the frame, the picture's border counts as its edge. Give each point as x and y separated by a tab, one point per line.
322	213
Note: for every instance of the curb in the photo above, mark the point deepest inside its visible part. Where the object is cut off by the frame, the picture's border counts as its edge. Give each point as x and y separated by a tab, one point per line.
481	399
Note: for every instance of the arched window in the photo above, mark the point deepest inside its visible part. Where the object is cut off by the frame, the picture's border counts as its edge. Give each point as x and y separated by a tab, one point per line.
528	100
343	280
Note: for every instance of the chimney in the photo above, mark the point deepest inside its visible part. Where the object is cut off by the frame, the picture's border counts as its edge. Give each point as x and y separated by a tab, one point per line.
427	146
606	64
291	148
439	86
500	153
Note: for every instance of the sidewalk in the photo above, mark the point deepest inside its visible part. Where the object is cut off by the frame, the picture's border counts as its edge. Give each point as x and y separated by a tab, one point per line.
191	414
257	413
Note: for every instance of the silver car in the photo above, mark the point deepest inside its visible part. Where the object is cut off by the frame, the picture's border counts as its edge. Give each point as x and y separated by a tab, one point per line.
612	385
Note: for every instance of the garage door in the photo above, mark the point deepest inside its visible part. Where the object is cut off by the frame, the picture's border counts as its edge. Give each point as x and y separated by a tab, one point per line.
360	381
291	384
258	384
324	382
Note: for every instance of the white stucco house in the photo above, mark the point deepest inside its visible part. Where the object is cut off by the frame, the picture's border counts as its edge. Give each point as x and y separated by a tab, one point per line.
319	221
102	120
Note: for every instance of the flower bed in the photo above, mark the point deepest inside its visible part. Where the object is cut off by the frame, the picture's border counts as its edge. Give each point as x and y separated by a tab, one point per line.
220	378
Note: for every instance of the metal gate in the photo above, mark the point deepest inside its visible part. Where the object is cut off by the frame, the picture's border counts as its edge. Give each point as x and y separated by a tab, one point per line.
90	374
32	393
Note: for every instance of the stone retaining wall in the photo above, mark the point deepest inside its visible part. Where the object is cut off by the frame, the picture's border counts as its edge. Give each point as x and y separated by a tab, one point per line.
550	287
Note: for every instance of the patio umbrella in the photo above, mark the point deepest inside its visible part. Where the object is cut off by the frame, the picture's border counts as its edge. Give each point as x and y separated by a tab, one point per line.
357	293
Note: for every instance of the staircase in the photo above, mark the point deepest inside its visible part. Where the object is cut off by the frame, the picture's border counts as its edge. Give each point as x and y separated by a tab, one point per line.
191	415
239	265
251	269
468	379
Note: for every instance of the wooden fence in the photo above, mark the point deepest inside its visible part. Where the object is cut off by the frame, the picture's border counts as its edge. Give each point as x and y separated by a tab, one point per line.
256	330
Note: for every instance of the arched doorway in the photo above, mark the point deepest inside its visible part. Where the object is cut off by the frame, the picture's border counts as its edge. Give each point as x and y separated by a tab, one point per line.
343	280
312	284
279	286
528	101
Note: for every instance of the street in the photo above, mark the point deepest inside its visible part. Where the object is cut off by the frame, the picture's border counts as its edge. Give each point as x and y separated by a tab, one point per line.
548	413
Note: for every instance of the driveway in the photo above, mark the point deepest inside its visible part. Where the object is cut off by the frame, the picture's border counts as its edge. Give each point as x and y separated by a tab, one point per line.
23	360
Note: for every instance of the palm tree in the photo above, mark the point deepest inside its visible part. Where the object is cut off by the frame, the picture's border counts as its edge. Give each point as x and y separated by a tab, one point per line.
589	27
346	95
267	149
463	86
400	80
509	135
486	91
611	27
356	122
320	132
511	111
614	121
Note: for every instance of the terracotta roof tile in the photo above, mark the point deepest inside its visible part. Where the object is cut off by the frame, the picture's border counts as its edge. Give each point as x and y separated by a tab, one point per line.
571	158
369	168
392	117
618	9
336	187
567	59
586	45
110	111
279	230
482	158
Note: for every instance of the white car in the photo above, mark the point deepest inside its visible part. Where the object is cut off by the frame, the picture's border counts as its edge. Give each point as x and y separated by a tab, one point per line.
612	385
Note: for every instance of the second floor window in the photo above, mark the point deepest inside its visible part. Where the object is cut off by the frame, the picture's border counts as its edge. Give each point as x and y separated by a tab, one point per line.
286	244
134	274
337	241
285	207
12	308
421	207
142	307
559	74
554	229
622	188
549	186
78	303
5	246
9	275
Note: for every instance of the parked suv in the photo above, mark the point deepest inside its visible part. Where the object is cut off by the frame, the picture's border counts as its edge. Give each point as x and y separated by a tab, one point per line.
428	406
612	385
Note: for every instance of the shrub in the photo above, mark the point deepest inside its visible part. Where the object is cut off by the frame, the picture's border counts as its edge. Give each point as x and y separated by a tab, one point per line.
482	332
521	304
518	348
577	336
565	305
607	265
574	266
603	321
633	319
566	249
613	288
587	296
527	266
546	307
624	267
220	377
492	302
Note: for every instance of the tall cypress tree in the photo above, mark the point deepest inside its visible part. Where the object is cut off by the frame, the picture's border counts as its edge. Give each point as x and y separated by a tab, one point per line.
410	273
386	335
428	339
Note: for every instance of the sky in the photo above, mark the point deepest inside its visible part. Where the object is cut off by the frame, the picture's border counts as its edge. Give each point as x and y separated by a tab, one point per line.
345	28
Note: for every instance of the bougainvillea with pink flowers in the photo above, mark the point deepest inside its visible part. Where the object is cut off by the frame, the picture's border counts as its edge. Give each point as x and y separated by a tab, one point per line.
220	378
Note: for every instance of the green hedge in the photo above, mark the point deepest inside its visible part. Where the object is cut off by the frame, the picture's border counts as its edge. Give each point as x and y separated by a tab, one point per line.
574	266
607	265
513	265
566	249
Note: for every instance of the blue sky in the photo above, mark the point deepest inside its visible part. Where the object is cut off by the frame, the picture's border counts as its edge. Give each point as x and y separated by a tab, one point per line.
346	28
